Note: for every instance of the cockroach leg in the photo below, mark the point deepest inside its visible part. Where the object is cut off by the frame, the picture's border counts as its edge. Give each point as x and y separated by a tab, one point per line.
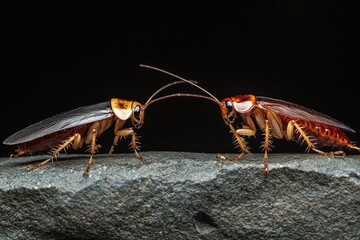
246	131
290	131
19	152
230	159
119	133
92	151
35	166
311	145
118	125
123	133
353	147
116	139
266	147
240	141
76	138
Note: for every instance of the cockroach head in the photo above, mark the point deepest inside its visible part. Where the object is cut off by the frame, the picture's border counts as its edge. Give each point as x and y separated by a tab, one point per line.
227	110
125	109
138	114
236	104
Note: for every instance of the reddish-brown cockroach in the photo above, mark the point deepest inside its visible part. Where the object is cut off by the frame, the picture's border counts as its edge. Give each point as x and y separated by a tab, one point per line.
279	119
83	125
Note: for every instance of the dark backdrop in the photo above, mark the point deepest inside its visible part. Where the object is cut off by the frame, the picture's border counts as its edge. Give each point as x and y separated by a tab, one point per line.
59	56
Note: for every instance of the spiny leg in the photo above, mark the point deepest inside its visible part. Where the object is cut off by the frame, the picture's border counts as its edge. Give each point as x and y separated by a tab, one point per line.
118	125
93	148
240	142
266	145
123	133
311	145
75	138
116	139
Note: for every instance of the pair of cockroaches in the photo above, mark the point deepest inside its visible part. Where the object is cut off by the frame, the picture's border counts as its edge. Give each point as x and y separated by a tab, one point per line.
275	118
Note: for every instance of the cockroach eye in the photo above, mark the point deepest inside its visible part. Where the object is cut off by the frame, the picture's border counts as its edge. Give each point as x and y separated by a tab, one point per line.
229	106
137	112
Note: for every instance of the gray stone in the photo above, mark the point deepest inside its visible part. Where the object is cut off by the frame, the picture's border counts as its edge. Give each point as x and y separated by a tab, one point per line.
178	195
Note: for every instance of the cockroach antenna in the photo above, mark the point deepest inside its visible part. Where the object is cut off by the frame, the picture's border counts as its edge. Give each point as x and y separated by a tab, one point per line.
213	98
164	87
178	95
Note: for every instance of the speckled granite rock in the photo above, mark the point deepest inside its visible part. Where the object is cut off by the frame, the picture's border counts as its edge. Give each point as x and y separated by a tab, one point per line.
176	195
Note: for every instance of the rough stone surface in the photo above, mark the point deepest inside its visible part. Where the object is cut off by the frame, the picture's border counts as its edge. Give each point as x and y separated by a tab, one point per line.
177	195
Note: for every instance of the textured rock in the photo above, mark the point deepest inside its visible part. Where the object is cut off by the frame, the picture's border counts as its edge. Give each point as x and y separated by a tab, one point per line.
175	195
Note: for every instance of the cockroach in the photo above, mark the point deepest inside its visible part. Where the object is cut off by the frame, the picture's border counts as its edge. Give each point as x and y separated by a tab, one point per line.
83	125
278	119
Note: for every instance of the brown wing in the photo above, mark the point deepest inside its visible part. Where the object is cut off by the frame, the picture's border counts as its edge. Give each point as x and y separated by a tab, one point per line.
296	111
62	121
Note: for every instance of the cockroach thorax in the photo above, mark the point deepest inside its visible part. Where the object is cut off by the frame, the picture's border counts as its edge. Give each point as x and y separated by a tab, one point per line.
122	108
244	103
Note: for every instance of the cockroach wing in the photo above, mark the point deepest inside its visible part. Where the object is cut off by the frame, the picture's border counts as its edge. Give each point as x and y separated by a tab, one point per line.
296	111
76	117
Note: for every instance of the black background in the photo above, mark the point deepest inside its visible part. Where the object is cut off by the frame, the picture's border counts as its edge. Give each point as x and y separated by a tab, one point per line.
57	56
